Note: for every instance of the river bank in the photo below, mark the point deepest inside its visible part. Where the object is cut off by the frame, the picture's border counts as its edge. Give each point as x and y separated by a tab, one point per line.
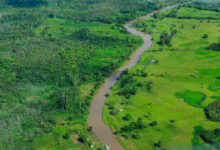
95	120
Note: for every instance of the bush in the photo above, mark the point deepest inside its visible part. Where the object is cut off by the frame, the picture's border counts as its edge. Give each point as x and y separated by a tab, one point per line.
211	137
128	86
172	121
89	129
133	126
66	135
24	3
213	111
69	118
127	117
114	112
124	72
135	136
214	46
208	136
82	138
158	144
205	36
154	123
165	38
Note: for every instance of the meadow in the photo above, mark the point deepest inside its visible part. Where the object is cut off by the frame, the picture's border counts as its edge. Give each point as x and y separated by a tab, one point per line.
170	100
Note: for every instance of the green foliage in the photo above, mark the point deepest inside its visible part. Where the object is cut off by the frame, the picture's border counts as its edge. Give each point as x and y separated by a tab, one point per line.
198	130
165	38
82	138
135	136
139	124
205	36
25	3
211	137
128	86
214	46
213	111
154	123
158	144
114	112
66	136
127	117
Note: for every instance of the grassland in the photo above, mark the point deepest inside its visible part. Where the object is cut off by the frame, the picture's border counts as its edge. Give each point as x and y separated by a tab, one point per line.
154	116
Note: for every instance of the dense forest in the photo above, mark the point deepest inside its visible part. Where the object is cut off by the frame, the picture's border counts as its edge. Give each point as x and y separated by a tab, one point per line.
54	54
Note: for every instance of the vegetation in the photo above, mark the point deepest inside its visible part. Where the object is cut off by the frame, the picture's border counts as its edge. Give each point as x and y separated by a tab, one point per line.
191	97
214	46
54	54
22	3
213	111
185	69
211	137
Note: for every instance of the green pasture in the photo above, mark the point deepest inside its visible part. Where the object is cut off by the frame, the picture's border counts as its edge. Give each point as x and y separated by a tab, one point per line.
183	82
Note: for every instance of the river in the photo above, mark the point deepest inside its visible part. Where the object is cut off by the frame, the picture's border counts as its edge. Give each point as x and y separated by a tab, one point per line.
95	120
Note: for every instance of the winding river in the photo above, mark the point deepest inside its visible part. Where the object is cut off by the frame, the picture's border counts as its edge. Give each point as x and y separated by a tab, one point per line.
95	120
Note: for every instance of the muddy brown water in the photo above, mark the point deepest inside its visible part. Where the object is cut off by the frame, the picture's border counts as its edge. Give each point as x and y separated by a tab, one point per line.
95	120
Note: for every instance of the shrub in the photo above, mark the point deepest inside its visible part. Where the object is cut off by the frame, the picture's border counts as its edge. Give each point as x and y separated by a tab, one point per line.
133	126
165	38
114	112
208	136
111	107
140	84
211	137
82	138
24	3
124	72
198	130
52	121
217	131
66	135
128	86
205	36
89	129
158	144
172	121
213	111
135	136
127	117
154	123
214	46
69	118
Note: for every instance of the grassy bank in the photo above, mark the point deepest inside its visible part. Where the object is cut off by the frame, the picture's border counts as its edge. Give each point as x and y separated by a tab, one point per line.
162	102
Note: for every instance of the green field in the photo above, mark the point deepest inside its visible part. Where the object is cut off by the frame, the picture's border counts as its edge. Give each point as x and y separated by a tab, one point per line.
166	108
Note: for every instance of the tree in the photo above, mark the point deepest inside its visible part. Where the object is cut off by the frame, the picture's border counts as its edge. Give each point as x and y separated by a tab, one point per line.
165	38
213	111
127	117
214	46
205	36
24	3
